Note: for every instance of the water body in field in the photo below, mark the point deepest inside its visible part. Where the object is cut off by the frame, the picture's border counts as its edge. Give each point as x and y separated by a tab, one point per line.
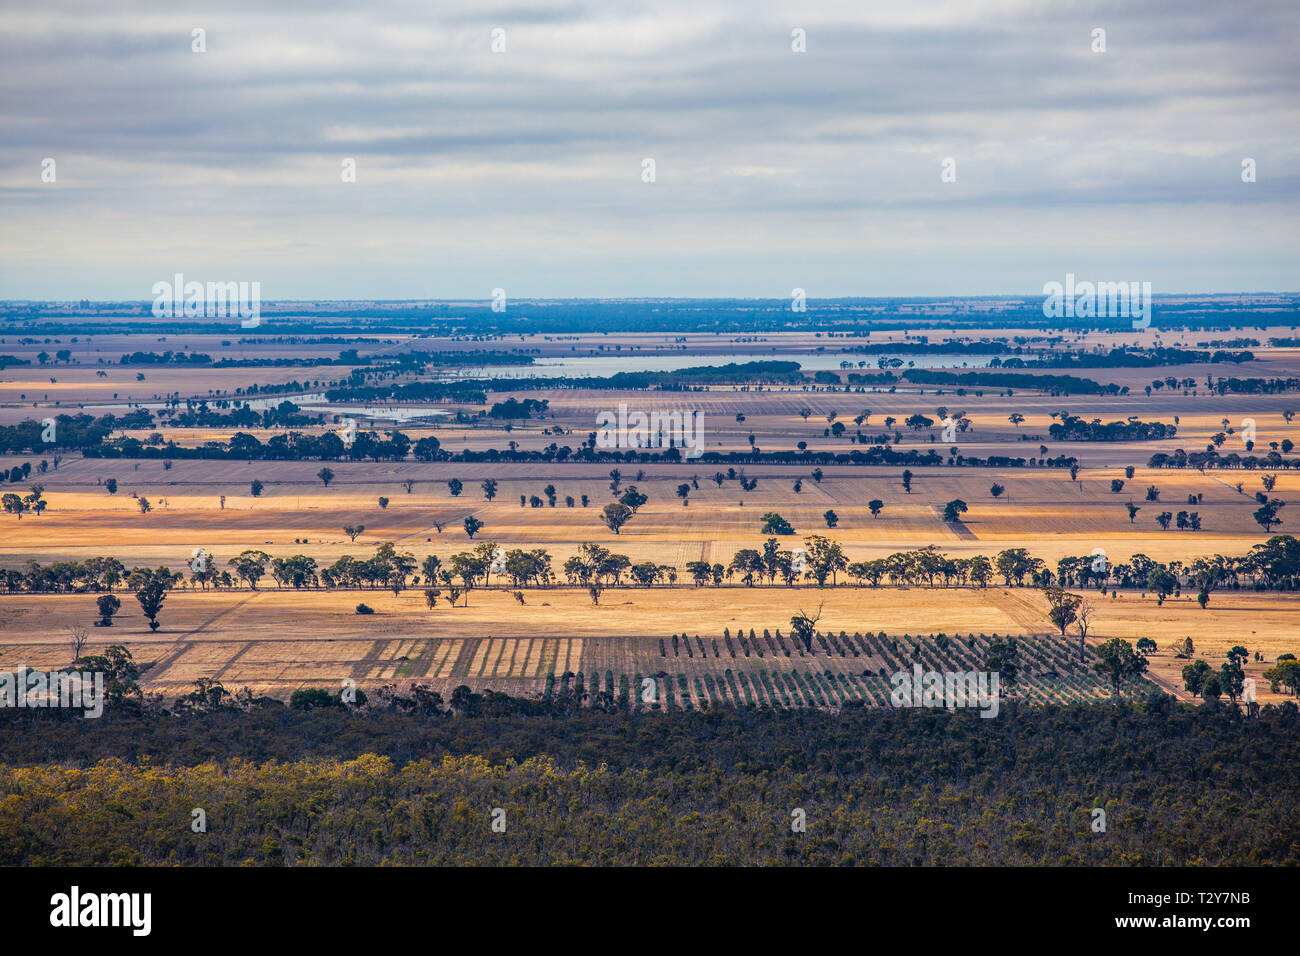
581	366
315	402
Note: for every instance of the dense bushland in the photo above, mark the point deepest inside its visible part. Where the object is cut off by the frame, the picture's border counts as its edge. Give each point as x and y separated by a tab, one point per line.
1179	785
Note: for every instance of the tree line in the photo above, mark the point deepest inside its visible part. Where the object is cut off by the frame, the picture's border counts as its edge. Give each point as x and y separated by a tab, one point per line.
1272	565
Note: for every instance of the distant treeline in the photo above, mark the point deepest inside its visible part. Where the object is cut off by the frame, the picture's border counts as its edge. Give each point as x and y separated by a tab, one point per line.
284	415
70	433
295	446
664	316
345	357
1030	357
1124	358
1255	386
1073	428
462	391
166	358
1055	384
731	374
1212	459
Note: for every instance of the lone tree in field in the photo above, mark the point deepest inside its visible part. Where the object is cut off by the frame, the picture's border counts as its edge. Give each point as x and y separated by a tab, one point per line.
409	483
1062	607
773	523
79	637
108	605
383	502
803	627
615	515
907	480
111	485
255	489
151	589
143	502
996	490
489	488
455	486
353	530
1015	418
472	526
1117	485
684	492
1087	611
954	509
1119	663
1266	515
876	506
832	519
1132	511
326	476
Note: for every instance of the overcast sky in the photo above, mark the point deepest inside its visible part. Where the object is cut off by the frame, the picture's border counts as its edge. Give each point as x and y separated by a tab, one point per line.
523	169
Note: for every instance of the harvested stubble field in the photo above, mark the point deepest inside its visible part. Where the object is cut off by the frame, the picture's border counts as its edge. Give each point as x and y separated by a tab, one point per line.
277	641
1043	511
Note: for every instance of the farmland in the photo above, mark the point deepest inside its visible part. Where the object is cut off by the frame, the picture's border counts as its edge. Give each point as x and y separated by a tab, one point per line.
691	639
410	590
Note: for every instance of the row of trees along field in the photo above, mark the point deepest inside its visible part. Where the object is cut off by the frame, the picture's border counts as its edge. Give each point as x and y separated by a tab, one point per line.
1272	565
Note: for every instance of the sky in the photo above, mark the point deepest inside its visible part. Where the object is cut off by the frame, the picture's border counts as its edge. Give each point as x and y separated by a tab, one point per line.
524	169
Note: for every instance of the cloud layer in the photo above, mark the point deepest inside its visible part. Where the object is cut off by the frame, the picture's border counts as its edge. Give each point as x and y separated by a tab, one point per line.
523	169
